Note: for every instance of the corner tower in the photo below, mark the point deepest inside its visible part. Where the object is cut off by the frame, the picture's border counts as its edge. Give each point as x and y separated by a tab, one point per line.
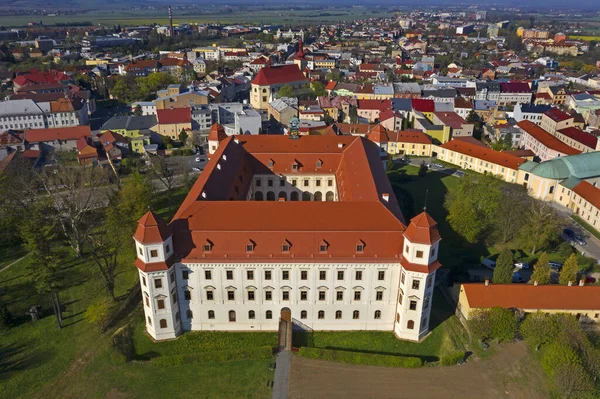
417	277
154	249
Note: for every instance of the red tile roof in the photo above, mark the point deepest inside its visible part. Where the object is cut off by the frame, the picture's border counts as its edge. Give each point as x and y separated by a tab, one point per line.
587	139
421	105
280	74
217	133
515	87
422	230
525	296
557	115
175	115
378	134
410	136
41	78
588	192
381	105
451	119
61	133
483	153
151	229
548	140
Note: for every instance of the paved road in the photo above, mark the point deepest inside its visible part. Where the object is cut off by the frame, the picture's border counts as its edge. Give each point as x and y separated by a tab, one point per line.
282	375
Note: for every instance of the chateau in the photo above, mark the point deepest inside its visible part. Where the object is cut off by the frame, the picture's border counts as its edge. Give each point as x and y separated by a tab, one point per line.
309	223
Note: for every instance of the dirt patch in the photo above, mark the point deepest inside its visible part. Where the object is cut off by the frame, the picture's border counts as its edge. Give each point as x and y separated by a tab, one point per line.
512	372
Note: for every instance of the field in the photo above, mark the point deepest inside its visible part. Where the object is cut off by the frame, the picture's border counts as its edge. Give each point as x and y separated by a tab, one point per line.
146	17
586	38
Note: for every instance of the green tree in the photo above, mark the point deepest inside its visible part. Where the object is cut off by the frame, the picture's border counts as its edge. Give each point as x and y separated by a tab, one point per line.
558	354
539	329
286	91
472	206
353	114
138	110
569	271
183	136
510	214
503	272
480	324
541	270
571	380
504	324
542	225
167	141
318	89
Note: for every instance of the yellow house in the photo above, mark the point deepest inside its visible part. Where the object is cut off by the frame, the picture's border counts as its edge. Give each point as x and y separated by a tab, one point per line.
136	129
270	79
172	121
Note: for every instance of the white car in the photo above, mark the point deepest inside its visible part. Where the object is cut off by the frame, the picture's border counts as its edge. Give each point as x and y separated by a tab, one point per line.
197	159
438	165
522	265
195	169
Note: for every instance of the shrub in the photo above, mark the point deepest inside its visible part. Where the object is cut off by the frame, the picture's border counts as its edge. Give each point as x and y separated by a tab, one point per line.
558	354
99	314
539	329
572	380
480	325
261	352
452	359
360	358
504	324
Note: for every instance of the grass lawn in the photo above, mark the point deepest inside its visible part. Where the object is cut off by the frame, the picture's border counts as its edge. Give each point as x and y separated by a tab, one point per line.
447	336
10	251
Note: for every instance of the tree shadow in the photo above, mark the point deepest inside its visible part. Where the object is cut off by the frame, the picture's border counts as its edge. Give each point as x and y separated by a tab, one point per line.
14	358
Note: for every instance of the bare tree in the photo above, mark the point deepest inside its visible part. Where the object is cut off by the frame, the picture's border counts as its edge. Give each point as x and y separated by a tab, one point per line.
164	173
542	224
75	191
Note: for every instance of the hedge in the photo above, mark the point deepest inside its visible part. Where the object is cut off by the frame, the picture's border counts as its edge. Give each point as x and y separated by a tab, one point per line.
452	359
360	358
260	352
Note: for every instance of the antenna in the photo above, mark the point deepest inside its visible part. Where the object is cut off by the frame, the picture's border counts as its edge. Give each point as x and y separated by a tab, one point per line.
425	204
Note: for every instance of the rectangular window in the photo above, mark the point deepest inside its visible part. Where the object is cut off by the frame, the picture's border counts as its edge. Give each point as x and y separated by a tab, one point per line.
268	295
381	275
379	296
321	295
270	182
358	275
303	295
250	274
329	183
339	295
250	295
305	182
340	275
294	182
187	295
229	274
257	182
285	274
144	281
285	295
209	295
160	303
208	275
267	274
185	274
322	275
154	253
415	284
357	295
231	295
413	305
318	183
158	283
419	254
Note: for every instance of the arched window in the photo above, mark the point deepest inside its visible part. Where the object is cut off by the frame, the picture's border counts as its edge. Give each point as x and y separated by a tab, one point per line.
270	196
149	321
410	325
318	196
282	196
306	196
321	314
232	315
329	196
303	314
251	314
338	314
294	196
163	323
211	314
258	196
269	315
377	314
355	314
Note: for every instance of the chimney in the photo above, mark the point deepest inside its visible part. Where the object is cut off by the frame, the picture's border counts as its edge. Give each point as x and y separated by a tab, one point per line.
535	283
386	197
171	31
340	145
570	283
236	140
487	282
581	283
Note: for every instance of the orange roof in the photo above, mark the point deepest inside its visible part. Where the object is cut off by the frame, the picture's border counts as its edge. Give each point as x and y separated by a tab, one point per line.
61	133
422	229
526	296
378	134
486	154
548	140
331	85
151	229
217	133
154	266
410	136
280	74
589	193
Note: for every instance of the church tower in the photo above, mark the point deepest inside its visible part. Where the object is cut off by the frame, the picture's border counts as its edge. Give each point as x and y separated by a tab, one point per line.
154	248
419	264
300	59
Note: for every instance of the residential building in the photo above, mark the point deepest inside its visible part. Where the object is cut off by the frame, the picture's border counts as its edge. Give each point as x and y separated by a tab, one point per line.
115	145
266	228
172	121
137	129
270	79
543	144
87	154
554	119
56	139
458	126
530	112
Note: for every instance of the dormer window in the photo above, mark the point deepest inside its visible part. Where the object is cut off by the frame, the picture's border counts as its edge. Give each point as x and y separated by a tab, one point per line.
271	163
285	246
319	163
250	247
360	247
294	166
323	246
207	246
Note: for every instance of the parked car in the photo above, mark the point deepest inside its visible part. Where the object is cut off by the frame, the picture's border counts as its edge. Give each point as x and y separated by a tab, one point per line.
590	280
195	169
522	265
555	265
580	240
198	159
458	173
488	263
569	233
517	278
438	165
